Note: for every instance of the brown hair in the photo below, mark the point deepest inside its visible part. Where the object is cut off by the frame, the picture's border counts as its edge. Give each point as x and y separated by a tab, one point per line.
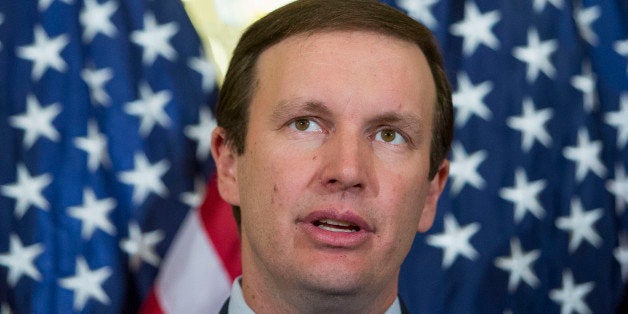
310	16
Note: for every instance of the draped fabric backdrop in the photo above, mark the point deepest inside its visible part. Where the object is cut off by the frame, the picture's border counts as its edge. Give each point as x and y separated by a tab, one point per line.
104	129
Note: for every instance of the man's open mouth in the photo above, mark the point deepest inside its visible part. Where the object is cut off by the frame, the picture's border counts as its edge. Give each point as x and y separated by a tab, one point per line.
335	229
336	225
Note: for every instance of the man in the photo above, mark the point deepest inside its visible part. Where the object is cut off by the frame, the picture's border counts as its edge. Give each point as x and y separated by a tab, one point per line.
334	122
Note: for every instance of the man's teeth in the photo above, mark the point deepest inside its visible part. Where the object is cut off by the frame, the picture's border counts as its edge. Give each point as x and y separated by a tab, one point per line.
330	228
335	222
336	225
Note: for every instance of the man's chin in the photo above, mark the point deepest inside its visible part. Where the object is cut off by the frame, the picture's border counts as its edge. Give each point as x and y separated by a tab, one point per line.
336	282
333	289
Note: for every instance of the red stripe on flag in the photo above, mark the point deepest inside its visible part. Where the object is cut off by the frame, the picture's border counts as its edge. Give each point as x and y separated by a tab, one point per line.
151	304
221	228
221	232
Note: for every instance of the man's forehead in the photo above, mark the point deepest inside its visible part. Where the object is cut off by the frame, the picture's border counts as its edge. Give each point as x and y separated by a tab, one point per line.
346	50
326	45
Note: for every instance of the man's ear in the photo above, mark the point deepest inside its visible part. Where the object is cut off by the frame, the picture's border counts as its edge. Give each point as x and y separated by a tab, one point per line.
436	188
225	157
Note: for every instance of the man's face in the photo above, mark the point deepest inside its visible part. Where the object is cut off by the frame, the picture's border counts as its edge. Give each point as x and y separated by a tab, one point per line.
333	183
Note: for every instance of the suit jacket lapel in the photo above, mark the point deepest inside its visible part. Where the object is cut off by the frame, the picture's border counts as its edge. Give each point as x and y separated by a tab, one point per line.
225	308
404	309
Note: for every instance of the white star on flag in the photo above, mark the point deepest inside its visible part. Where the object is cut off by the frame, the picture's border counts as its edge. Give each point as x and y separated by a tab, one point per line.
93	214
621	255
141	246
618	119
524	195
146	178
44	4
95	145
96	81
207	71
202	133
571	296
531	124
579	224
619	188
96	18
585	83
464	168
537	56
476	28
585	17
519	264
87	284
37	121
150	108
20	260
27	191
154	39
455	240
420	11
621	47
539	5
469	100
5	309
195	198
586	155
45	52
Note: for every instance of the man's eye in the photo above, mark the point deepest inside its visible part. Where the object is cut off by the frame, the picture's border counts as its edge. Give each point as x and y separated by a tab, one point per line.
389	136
305	125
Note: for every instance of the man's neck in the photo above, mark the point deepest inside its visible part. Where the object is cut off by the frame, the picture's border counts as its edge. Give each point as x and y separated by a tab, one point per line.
263	299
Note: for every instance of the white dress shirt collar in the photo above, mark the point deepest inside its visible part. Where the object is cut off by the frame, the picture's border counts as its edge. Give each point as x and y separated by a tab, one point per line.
237	305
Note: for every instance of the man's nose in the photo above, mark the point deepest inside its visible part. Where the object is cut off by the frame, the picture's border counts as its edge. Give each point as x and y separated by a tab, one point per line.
347	163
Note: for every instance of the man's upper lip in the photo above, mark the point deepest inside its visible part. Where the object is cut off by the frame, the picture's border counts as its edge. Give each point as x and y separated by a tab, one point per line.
348	217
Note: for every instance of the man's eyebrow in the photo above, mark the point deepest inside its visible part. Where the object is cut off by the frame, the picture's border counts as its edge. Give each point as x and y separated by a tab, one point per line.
288	108
399	119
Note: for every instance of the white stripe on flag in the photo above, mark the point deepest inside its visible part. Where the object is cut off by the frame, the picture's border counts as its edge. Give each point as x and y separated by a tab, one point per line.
192	278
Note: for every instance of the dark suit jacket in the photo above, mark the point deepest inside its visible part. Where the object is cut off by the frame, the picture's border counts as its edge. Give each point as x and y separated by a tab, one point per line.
225	307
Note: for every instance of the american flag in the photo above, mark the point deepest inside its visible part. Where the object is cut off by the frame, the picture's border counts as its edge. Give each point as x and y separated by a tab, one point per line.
534	215
105	122
533	218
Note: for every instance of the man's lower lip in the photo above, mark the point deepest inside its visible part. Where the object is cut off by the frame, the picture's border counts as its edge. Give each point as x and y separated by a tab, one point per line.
331	238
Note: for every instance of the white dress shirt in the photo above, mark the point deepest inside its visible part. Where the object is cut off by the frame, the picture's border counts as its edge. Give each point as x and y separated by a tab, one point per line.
237	305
